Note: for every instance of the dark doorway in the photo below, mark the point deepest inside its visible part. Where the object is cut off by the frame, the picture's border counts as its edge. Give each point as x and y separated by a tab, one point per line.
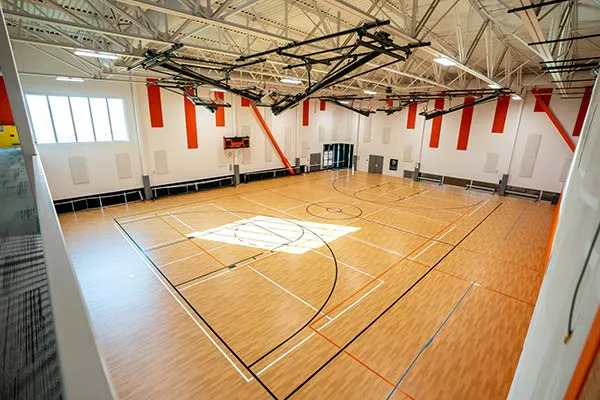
337	155
375	164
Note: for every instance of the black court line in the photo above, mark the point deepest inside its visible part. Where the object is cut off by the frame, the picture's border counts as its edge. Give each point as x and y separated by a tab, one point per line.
198	314
393	204
388	308
201	276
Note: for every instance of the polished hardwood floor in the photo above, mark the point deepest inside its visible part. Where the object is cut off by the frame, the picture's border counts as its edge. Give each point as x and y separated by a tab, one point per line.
322	286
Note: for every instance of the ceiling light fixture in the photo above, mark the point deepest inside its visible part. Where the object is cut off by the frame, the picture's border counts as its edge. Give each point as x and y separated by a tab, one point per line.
217	90
89	53
291	81
445	61
68	79
370	92
494	86
516	97
344	102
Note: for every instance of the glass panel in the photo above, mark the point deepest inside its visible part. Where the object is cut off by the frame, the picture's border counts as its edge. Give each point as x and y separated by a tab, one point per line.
61	115
40	118
82	118
100	118
116	109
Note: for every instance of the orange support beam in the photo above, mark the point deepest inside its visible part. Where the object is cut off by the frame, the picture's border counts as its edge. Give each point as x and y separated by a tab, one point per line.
553	119
267	131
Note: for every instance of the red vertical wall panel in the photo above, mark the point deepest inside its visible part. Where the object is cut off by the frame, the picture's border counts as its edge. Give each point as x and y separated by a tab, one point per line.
436	125
546	95
220	113
154	104
389	103
412	116
305	110
245	102
322	105
190	121
500	114
465	125
585	104
6	116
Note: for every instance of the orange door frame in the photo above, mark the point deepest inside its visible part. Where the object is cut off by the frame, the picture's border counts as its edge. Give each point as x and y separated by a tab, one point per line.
267	131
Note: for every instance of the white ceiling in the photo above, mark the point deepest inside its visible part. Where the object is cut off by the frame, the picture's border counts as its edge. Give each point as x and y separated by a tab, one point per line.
489	44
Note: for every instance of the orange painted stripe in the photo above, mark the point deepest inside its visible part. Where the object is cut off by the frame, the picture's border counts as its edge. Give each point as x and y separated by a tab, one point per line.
245	102
412	116
190	121
561	131
322	105
583	108
154	104
6	116
465	124
436	125
194	243
544	98
417	248
305	110
586	359
269	134
500	114
220	113
389	103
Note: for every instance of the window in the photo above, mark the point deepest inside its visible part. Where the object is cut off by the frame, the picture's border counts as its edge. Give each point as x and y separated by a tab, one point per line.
70	119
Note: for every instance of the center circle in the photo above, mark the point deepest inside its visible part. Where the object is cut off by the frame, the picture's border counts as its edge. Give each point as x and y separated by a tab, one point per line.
334	210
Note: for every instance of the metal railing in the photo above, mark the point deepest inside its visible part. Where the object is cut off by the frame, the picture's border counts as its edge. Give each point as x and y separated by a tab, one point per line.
99	198
196	185
82	369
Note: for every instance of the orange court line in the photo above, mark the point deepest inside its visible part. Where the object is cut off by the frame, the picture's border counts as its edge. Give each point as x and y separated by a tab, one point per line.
194	243
388	269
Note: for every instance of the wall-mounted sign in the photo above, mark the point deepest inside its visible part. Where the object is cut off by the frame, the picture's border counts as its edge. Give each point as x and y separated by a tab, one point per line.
393	164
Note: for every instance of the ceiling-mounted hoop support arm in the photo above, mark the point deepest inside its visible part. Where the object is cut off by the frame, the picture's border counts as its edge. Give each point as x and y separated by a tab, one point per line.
484	99
361	111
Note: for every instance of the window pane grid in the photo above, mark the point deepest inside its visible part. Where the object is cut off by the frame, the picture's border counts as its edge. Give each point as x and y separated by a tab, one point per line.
70	119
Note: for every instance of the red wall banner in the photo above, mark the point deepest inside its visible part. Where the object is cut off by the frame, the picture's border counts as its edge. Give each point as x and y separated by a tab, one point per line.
436	125
500	114
465	124
190	121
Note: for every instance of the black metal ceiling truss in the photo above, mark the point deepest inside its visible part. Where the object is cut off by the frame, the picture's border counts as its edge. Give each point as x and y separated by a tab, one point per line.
352	103
344	61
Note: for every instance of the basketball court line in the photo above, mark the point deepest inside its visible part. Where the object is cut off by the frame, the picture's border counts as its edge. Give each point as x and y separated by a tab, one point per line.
430	341
172	293
477	209
191	256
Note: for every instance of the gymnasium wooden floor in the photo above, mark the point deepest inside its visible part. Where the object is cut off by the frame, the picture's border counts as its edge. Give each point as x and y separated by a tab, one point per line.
329	285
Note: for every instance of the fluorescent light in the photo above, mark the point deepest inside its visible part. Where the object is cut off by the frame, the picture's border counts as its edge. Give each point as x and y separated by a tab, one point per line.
344	102
494	86
68	79
369	92
516	97
445	61
217	90
88	53
292	81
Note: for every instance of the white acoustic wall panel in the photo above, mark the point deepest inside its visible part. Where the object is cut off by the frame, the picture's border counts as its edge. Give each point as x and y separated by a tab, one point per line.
407	155
246	156
529	156
386	136
161	165
321	133
565	169
366	124
305	149
124	166
268	150
79	172
334	133
491	163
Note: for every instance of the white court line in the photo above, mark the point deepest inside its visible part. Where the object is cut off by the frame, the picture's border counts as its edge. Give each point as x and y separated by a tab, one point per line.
181	222
160	279
287	291
477	209
204	280
374	245
319	329
346	265
164	244
447	232
192	256
422	251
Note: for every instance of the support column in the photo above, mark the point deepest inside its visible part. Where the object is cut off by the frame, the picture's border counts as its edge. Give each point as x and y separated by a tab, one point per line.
503	185
148	194
236	174
16	99
416	172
